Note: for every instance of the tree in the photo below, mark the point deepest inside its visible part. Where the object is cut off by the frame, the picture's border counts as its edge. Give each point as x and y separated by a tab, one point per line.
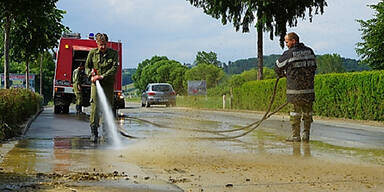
329	64
36	27
160	70
212	74
208	58
272	16
140	82
372	48
8	11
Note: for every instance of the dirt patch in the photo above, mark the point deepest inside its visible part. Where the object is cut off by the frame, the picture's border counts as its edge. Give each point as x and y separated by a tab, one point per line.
202	166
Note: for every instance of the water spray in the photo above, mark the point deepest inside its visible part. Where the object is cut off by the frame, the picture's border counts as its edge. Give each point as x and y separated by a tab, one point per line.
108	116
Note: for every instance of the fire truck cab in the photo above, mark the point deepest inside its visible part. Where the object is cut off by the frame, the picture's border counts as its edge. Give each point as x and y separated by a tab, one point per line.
72	51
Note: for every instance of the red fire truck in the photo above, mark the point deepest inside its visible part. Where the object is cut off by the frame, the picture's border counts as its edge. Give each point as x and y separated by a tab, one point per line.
72	51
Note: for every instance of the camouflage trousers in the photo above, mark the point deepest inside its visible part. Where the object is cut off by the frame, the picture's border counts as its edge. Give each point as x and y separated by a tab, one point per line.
301	111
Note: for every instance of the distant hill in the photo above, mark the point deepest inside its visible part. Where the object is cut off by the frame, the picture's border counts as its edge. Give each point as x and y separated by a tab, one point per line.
127	75
241	65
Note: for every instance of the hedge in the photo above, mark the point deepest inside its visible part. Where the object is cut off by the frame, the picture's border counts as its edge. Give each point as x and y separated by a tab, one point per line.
357	95
16	105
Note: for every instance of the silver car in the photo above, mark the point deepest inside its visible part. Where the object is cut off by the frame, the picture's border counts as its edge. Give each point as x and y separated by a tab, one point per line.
158	94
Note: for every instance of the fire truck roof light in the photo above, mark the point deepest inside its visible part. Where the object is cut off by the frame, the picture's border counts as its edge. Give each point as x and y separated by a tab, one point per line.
91	36
66	46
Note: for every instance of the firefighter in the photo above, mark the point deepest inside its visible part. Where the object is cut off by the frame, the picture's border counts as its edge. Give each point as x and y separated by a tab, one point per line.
101	65
78	80
298	64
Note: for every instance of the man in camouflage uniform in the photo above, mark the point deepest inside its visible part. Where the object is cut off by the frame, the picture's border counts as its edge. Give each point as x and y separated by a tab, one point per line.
78	79
298	64
101	65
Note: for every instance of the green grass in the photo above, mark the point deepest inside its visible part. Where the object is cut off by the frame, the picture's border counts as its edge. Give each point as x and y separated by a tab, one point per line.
133	99
202	102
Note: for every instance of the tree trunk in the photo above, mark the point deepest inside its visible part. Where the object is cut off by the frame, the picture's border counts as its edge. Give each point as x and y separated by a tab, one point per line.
41	74
27	74
6	51
260	52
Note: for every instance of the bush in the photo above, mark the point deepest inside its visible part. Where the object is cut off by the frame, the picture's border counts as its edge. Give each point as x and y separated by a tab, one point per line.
358	95
15	106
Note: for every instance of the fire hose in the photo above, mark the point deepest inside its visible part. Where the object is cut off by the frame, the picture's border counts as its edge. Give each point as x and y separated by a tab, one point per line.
252	126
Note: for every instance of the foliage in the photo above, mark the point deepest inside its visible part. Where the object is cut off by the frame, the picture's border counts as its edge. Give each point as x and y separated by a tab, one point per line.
242	65
272	16
210	73
268	14
372	48
127	76
160	70
48	73
15	106
358	95
33	27
38	29
329	64
352	65
140	82
208	58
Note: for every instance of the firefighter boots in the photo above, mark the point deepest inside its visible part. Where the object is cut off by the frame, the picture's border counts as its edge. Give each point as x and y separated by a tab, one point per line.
78	110
306	132
94	134
295	129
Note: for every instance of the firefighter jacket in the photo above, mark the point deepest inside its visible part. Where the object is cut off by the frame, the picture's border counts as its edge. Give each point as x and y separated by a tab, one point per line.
106	65
78	79
298	64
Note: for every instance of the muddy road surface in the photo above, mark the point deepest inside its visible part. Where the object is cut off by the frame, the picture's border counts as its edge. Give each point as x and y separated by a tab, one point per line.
177	149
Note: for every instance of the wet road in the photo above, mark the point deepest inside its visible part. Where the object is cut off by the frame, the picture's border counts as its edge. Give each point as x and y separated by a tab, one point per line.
157	160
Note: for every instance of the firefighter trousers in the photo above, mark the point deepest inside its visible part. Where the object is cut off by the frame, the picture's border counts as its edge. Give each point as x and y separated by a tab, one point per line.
301	111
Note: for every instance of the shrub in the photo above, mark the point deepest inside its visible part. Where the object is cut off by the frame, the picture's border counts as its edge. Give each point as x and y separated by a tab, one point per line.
15	106
358	95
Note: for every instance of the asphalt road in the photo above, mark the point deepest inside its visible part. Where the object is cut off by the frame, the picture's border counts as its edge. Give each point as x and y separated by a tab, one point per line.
58	143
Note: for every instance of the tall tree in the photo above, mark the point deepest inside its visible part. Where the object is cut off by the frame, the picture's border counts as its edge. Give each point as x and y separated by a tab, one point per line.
9	10
207	58
372	48
140	82
38	29
272	16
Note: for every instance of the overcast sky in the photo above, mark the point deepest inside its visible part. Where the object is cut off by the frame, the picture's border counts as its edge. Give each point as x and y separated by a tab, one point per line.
176	29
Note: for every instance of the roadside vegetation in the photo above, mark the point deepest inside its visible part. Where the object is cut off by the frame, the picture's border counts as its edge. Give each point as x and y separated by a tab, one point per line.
29	32
16	105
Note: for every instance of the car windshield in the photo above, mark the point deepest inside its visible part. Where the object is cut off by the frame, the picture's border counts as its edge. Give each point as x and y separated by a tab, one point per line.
163	88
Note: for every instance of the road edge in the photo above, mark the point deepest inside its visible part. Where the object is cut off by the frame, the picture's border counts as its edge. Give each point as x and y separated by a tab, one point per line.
30	120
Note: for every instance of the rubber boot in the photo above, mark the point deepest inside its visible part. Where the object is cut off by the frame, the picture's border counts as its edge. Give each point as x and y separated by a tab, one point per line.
78	109
94	134
306	132
295	130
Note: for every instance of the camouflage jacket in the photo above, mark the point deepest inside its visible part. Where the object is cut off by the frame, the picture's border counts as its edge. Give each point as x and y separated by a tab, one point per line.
298	64
78	77
105	64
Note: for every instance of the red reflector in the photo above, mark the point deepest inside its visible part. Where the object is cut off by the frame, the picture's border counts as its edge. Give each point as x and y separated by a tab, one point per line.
173	93
151	93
